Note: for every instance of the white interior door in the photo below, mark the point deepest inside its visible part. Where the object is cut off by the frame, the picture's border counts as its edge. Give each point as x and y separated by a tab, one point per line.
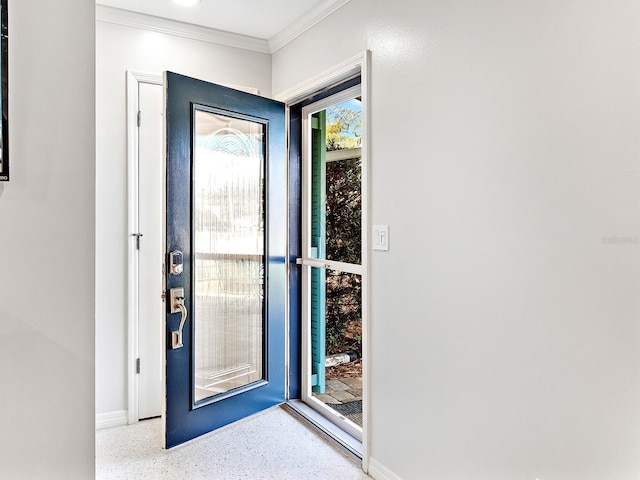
150	257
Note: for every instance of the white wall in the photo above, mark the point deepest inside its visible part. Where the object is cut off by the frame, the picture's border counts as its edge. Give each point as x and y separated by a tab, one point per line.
47	245
118	49
506	160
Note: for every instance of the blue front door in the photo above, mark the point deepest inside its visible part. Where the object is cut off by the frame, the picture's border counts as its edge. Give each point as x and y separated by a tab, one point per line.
225	249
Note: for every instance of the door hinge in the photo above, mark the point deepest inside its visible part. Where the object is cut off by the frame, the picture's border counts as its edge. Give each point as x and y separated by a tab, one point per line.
138	366
138	119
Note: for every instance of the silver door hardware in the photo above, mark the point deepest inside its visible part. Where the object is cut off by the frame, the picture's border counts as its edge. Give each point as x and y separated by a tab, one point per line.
175	262
176	299
312	262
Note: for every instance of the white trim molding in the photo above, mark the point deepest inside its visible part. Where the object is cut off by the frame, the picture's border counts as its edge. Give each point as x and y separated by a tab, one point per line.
179	29
111	419
167	26
380	472
349	68
314	16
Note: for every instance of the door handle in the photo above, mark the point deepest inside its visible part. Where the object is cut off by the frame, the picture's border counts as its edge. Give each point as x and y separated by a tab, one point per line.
176	299
312	262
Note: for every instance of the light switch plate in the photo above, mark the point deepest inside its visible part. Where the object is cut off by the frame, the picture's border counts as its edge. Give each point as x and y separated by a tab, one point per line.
381	237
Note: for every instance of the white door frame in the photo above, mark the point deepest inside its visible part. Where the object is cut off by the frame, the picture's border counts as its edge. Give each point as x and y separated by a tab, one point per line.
133	80
306	395
359	64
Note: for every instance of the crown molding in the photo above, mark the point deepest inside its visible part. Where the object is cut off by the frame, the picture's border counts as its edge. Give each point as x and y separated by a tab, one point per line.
128	18
179	29
314	16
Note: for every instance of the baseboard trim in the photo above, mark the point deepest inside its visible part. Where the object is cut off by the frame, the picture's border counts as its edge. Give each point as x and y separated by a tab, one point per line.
380	472
111	419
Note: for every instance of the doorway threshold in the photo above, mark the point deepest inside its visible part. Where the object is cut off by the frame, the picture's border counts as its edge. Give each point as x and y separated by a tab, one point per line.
329	429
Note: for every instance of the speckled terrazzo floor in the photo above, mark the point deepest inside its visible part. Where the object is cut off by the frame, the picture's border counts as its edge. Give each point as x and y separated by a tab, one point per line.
272	445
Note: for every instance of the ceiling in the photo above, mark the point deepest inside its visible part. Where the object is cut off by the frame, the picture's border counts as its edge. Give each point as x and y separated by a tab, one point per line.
263	19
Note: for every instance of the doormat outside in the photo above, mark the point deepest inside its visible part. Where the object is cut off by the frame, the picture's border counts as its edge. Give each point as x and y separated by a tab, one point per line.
349	408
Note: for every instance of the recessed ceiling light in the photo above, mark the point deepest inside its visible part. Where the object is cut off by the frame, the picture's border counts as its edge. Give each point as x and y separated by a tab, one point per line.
186	3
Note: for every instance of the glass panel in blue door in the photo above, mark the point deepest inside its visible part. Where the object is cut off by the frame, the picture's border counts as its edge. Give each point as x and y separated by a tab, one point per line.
228	178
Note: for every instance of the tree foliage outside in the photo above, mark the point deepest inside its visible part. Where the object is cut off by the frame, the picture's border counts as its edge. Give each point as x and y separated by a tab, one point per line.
345	129
344	238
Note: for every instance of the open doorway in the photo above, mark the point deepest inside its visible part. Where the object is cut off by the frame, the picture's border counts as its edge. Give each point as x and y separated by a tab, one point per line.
329	242
332	249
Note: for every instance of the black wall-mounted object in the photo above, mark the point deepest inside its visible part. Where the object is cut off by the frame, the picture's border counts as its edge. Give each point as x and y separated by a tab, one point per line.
4	74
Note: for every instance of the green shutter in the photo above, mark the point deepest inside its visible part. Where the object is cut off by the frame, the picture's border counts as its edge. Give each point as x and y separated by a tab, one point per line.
318	242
